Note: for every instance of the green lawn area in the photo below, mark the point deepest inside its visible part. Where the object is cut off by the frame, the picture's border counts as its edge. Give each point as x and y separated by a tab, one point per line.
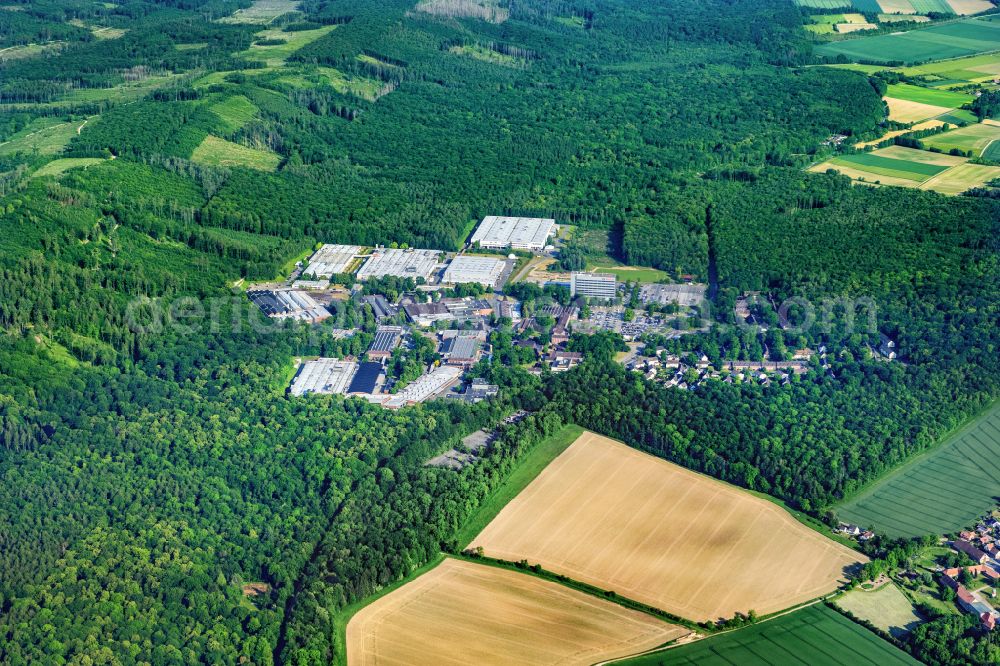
887	608
888	166
927	95
62	165
627	273
234	112
974	137
46	136
938	492
813	636
214	151
531	466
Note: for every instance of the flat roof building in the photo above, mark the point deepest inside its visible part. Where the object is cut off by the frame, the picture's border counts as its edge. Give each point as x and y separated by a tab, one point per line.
593	285
399	263
486	271
461	350
386	340
323	375
425	387
519	233
366	379
331	260
288	305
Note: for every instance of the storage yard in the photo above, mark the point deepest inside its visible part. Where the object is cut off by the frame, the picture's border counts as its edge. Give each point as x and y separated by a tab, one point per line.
611	516
466	613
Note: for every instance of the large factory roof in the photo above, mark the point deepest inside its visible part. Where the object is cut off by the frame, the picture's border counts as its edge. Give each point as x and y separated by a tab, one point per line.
324	375
522	233
331	260
399	263
470	268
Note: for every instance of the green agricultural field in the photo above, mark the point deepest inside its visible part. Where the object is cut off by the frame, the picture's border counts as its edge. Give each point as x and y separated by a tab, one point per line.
61	166
887	608
945	40
44	136
939	492
972	68
889	166
824	4
977	138
931	96
234	112
958	116
819	28
813	636
214	151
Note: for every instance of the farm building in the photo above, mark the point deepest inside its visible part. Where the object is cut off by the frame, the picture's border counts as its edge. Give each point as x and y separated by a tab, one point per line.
518	233
288	305
331	260
324	375
593	285
387	338
399	263
978	556
486	271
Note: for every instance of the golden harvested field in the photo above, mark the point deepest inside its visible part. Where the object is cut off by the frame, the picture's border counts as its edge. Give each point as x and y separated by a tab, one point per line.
966	7
854	27
614	517
927	124
961	178
465	613
896	7
922	156
905	111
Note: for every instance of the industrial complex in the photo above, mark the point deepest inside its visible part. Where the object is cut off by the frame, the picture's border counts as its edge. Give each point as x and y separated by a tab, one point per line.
408	263
518	233
331	260
486	271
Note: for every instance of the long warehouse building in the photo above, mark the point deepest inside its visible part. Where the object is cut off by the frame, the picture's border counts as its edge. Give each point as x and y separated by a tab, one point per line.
399	263
519	233
324	375
469	268
331	260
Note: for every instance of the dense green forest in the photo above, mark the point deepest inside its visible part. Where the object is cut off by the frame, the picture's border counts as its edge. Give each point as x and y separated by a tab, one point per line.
150	471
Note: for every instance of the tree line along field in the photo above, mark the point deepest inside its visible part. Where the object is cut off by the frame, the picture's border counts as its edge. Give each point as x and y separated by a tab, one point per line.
905	7
910	167
812	636
937	42
468	613
980	139
608	515
939	492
